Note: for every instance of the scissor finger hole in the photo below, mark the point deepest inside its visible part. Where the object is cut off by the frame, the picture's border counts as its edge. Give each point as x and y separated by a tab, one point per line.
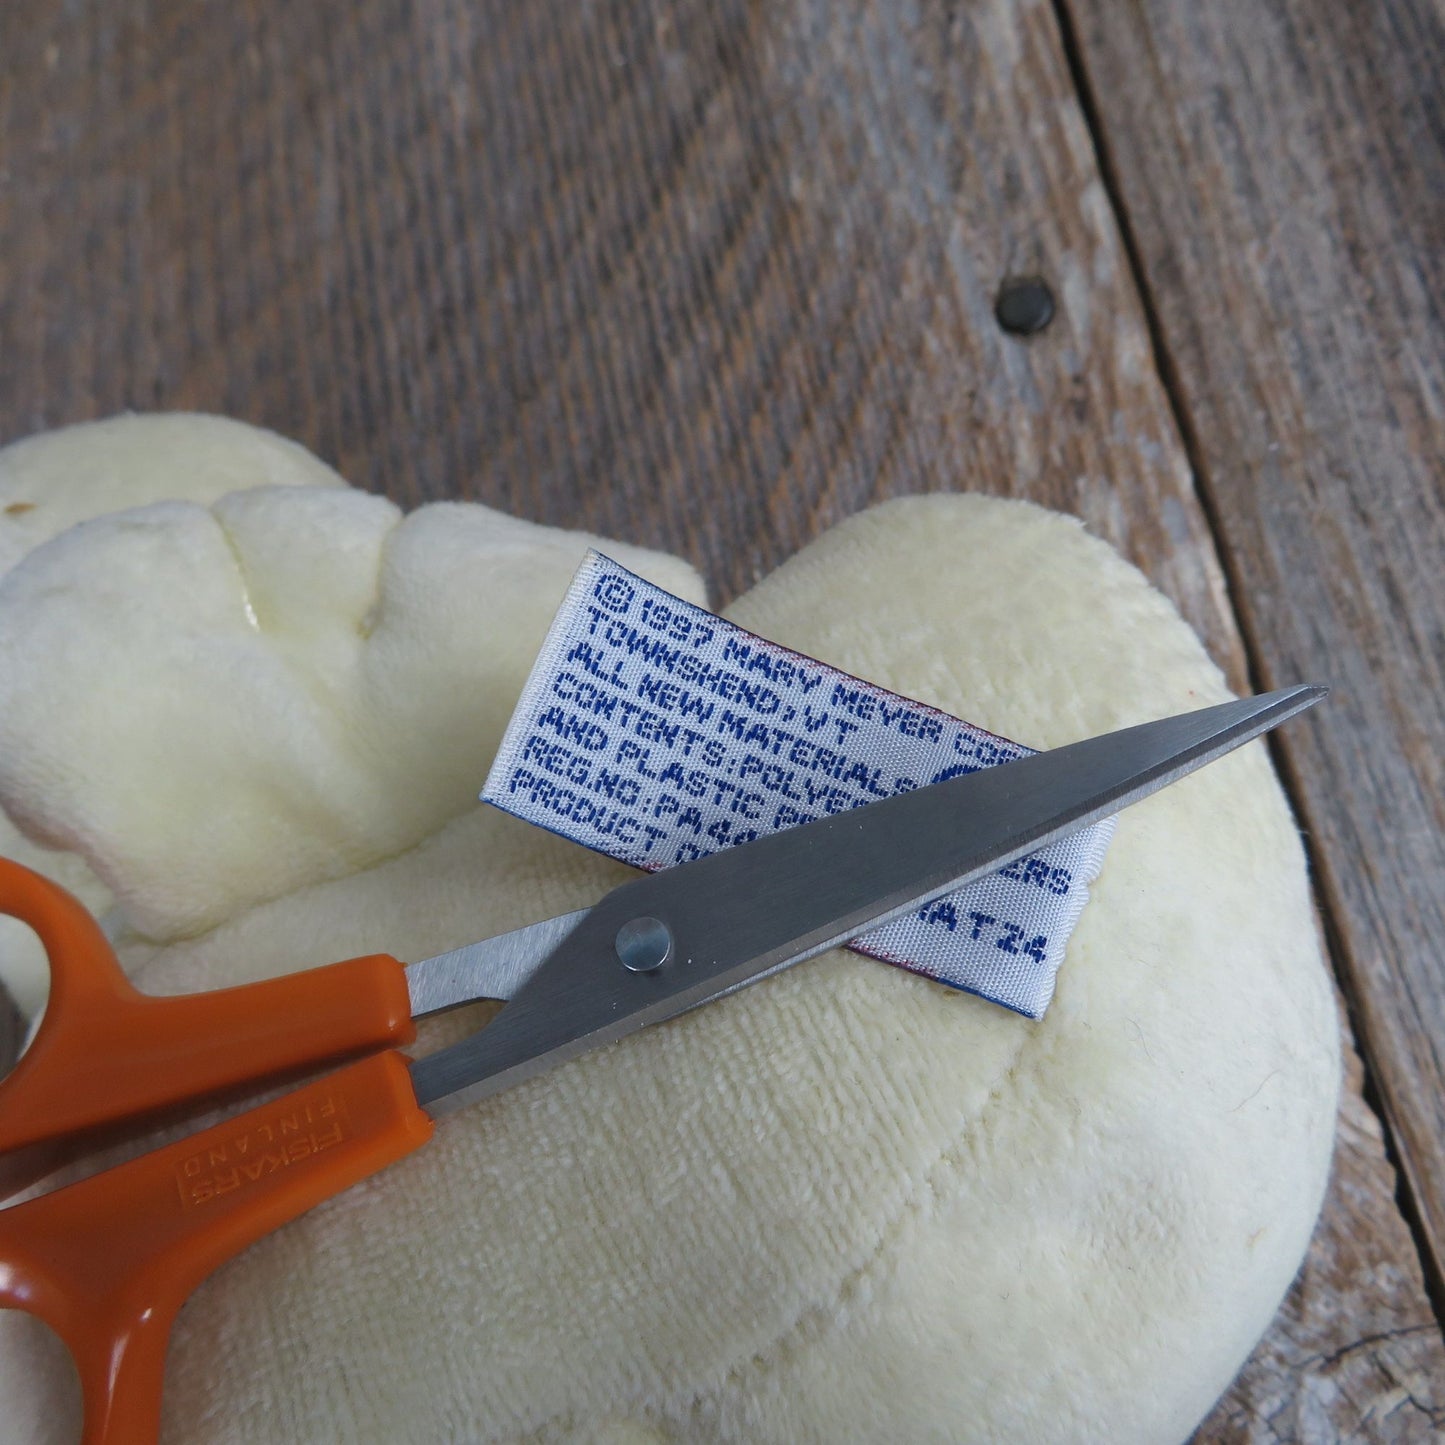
24	988
48	1410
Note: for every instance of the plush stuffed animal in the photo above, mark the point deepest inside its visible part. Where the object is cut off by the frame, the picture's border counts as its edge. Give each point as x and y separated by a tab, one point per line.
847	1204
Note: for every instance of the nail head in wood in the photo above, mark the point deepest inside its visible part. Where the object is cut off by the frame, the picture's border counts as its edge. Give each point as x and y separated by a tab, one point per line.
1024	305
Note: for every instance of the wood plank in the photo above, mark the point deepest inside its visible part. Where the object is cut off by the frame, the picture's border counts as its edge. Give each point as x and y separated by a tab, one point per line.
702	276
1283	168
705	276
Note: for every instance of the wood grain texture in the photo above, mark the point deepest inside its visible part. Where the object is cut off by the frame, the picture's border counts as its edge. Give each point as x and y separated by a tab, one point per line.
1283	170
707	276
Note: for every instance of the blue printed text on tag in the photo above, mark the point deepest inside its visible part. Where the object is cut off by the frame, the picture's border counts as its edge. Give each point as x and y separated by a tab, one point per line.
656	732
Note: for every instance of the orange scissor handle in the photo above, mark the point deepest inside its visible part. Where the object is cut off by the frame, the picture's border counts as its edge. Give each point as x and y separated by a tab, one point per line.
106	1054
108	1262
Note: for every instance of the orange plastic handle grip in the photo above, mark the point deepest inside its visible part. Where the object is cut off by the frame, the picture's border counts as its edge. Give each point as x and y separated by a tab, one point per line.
108	1262
106	1054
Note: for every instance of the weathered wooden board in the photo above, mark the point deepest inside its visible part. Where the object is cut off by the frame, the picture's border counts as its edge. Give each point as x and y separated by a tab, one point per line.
1283	170
708	276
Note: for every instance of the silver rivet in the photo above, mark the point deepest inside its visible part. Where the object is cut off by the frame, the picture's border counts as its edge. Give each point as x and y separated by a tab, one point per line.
644	944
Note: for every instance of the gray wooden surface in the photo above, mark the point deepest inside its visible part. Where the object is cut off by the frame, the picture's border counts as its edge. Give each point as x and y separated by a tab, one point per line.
1282	169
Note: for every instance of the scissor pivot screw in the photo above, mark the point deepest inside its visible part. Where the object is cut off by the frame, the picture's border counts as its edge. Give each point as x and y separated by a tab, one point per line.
644	944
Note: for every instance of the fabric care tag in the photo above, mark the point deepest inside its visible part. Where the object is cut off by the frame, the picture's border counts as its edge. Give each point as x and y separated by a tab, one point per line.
655	732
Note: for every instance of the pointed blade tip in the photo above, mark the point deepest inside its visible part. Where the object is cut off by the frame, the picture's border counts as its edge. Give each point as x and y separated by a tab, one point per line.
1251	717
1293	700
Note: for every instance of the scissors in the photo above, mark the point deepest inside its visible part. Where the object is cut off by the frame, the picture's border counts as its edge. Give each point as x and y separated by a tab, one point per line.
108	1261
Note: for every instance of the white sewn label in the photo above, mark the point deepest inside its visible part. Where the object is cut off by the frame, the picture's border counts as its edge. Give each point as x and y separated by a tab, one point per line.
655	732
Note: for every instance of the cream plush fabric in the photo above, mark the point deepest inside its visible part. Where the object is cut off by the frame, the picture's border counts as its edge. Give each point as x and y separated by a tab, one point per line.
845	1205
51	482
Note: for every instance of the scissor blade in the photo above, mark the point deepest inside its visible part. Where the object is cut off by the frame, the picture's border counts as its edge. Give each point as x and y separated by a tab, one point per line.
494	968
745	912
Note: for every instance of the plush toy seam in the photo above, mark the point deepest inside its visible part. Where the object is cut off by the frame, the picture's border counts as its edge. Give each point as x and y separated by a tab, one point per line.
811	1322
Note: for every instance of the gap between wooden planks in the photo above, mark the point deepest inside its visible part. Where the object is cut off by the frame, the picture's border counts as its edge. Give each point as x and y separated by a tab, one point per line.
1297	302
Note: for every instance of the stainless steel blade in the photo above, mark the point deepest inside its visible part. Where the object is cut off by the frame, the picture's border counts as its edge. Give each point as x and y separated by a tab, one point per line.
742	913
493	968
